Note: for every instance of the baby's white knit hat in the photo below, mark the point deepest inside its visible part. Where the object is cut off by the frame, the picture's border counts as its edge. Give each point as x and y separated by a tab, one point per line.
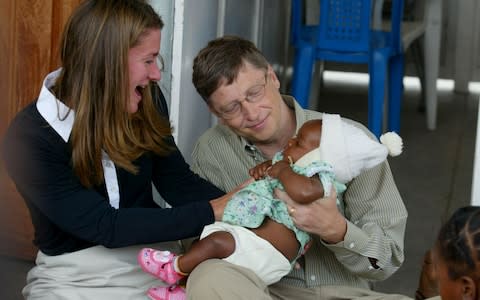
349	149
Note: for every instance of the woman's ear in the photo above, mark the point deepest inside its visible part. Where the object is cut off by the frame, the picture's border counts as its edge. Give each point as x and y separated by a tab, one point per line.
469	288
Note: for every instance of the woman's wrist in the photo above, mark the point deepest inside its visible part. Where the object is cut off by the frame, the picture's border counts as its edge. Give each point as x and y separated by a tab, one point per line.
217	208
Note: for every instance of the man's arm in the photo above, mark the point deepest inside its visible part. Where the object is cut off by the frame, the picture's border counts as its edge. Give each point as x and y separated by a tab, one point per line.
219	157
368	239
206	165
373	246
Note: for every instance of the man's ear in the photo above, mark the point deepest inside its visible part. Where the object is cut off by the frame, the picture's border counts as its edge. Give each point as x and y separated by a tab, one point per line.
469	288
220	120
210	108
273	77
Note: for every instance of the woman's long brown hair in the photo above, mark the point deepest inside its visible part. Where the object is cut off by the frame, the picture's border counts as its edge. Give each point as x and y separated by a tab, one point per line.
94	83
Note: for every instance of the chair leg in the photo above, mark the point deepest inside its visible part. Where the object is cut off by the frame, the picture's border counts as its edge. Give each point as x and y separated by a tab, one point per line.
302	74
432	59
395	91
418	59
376	92
316	84
320	67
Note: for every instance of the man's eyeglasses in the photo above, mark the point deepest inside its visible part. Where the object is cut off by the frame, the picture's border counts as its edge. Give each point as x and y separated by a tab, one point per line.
160	63
254	95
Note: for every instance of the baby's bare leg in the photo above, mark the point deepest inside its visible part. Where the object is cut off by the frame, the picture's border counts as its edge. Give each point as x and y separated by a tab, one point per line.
282	238
219	244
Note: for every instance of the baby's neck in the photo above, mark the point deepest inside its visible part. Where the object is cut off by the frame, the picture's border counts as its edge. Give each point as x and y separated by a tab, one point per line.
269	150
284	134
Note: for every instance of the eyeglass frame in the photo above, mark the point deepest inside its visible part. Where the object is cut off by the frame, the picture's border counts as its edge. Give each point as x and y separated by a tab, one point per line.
160	63
257	98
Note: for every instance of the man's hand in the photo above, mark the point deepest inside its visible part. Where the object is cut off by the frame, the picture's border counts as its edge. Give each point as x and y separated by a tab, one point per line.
218	204
320	217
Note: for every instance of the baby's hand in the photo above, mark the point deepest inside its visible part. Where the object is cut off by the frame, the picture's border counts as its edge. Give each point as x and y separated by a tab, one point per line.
278	167
260	170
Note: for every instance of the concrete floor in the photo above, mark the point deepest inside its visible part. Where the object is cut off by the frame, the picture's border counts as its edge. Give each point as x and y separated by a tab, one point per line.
433	175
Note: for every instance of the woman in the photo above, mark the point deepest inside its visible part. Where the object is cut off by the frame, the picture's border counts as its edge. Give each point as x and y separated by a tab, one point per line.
84	155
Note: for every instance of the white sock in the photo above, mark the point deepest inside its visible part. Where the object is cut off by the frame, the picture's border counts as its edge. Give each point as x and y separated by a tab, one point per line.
176	267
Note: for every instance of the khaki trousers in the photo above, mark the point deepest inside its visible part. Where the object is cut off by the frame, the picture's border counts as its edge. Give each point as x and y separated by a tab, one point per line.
216	279
92	273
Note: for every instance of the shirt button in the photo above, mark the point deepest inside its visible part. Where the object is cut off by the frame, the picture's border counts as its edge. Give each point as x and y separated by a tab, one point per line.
351	245
313	277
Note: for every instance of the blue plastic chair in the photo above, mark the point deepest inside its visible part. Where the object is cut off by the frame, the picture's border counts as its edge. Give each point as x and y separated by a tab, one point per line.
345	34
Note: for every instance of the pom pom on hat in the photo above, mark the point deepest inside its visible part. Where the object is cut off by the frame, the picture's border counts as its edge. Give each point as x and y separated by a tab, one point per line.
393	142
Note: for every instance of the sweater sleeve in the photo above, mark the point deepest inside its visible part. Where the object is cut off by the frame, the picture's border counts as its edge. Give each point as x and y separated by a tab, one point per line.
178	184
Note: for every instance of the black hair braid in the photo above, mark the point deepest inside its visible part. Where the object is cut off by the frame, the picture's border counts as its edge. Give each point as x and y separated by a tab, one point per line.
474	230
459	242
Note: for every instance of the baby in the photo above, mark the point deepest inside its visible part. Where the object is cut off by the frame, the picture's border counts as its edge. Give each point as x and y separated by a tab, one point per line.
257	231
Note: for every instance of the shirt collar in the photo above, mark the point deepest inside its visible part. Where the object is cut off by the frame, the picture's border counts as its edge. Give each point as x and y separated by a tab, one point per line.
300	115
61	117
57	114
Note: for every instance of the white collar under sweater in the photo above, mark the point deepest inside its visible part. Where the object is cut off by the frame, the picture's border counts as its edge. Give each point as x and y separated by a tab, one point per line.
54	112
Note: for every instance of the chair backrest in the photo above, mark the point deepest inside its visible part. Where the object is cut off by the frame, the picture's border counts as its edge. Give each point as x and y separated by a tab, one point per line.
348	30
396	30
344	25
296	21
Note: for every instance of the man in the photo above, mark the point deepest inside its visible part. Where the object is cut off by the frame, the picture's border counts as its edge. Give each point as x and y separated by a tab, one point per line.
360	242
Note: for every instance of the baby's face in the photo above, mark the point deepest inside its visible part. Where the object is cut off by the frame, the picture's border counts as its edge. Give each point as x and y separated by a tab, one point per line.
307	139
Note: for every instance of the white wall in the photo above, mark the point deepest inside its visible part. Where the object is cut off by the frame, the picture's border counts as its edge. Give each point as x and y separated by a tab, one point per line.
476	41
165	9
200	26
464	45
191	24
476	167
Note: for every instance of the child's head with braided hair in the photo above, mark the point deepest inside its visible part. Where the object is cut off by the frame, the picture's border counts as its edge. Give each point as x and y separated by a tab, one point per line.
457	255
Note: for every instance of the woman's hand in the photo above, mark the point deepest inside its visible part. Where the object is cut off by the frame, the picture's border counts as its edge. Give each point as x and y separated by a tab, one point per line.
320	217
218	204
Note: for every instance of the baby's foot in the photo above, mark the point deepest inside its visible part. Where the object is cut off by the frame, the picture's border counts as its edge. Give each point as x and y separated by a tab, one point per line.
173	292
159	264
